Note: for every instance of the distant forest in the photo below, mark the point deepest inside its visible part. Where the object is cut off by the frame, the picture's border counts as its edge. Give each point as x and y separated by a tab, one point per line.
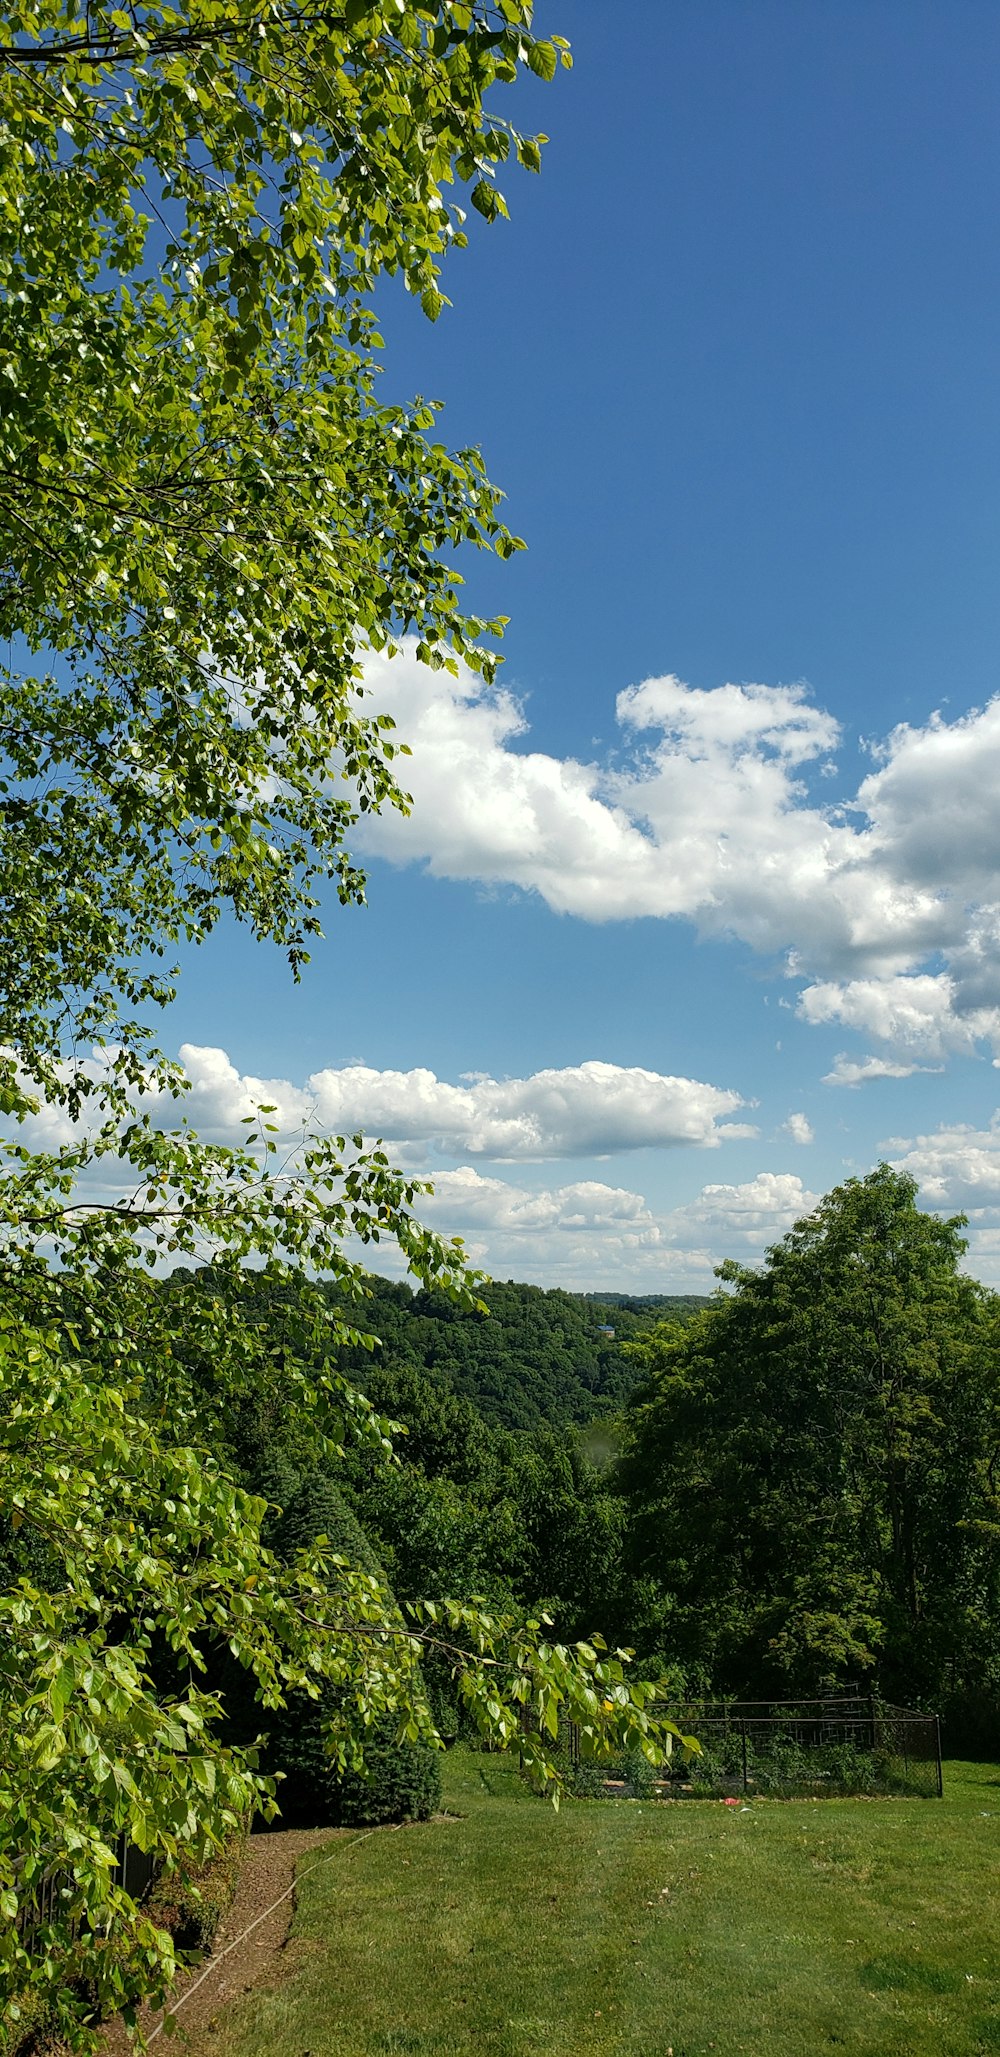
538	1359
650	1303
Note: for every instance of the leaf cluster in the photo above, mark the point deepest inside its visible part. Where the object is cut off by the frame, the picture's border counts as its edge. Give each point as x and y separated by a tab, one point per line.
206	513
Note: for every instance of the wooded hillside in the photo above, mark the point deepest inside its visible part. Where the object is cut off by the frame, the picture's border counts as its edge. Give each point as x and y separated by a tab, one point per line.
539	1358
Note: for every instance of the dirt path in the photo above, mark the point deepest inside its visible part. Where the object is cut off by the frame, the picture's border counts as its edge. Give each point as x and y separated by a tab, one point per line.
269	1870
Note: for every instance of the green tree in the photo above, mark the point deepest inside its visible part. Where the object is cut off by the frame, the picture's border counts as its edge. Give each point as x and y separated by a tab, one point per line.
809	1470
206	516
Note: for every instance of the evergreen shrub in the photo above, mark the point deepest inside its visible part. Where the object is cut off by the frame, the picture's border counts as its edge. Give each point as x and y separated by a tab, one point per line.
402	1781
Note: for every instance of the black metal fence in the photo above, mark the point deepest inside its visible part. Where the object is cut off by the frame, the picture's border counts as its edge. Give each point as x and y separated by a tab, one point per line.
135	1869
805	1748
859	1745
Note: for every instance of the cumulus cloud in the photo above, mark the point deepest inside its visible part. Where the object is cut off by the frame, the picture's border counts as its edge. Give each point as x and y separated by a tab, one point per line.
711	802
582	1110
933	802
799	1128
955	1166
706	813
919	1013
587	1207
589	1233
751	1215
582	1232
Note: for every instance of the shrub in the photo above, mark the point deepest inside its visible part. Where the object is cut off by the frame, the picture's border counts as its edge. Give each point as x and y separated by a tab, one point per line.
782	1764
587	1779
316	1507
188	1905
34	2030
851	1770
443	1703
402	1781
641	1775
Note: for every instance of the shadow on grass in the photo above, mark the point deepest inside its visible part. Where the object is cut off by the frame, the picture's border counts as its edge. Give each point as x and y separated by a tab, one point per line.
903	1975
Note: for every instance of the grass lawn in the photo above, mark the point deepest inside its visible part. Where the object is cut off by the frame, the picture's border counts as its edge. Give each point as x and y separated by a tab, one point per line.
861	1926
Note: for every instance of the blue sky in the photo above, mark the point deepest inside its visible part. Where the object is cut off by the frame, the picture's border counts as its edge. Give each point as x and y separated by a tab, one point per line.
734	362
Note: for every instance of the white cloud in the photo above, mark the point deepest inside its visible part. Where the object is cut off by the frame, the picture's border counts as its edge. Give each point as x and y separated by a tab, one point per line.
587	1207
707	815
851	1071
955	1166
730	718
933	802
219	1098
750	1215
581	1235
706	822
917	1013
589	1234
584	1232
582	1110
799	1128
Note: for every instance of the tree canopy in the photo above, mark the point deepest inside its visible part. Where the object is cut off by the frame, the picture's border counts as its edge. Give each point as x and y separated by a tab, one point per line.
539	1357
811	1470
206	515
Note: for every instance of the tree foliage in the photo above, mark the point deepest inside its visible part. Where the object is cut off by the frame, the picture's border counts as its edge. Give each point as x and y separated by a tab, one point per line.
812	1469
206	514
538	1359
400	1780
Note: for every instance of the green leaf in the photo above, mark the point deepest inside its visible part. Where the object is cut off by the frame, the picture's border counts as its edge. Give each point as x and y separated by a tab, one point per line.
485	200
542	60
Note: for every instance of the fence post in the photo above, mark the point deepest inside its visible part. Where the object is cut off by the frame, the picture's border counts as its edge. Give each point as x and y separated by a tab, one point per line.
743	1739
940	1767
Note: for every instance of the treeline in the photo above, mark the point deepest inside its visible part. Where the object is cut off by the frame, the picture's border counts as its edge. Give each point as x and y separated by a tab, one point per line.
524	1518
527	1518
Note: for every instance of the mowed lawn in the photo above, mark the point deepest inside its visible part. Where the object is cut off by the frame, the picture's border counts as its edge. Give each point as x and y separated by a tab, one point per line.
792	1927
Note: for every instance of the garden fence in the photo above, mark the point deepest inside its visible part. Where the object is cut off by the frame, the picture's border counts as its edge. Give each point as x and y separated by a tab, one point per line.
842	1745
812	1745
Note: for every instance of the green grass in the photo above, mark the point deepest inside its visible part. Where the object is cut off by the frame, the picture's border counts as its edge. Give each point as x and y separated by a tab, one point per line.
869	1927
